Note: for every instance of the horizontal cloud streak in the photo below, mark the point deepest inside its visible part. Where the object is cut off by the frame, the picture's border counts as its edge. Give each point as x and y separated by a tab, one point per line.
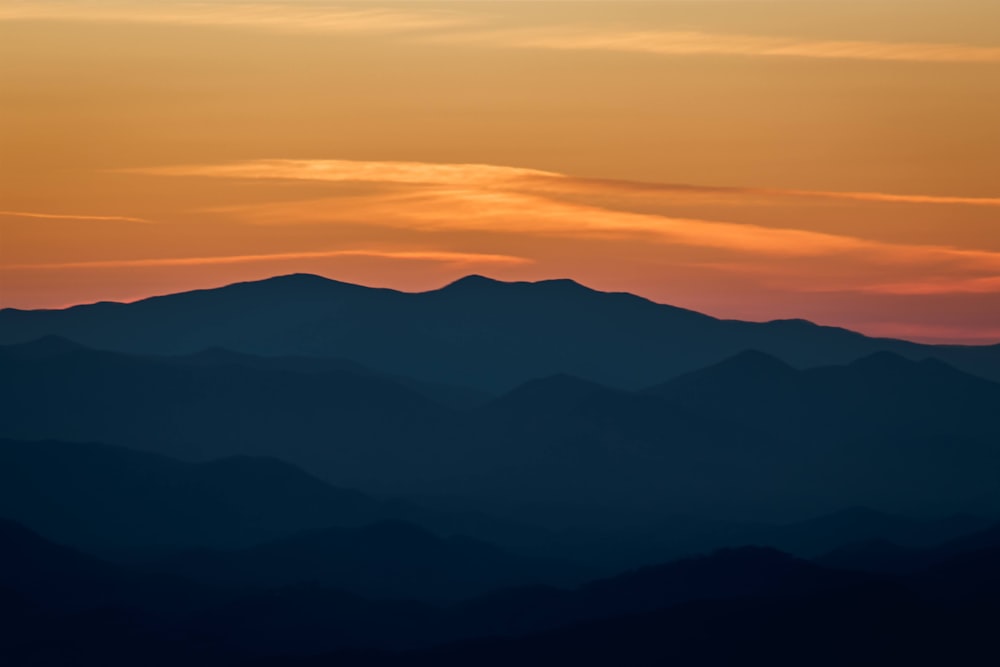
356	171
984	285
67	216
638	187
515	178
273	16
511	201
416	255
688	43
451	27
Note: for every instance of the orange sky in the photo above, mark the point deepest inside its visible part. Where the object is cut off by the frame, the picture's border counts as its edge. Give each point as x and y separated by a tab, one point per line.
835	161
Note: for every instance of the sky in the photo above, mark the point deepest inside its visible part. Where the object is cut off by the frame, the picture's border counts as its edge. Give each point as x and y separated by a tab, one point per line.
752	159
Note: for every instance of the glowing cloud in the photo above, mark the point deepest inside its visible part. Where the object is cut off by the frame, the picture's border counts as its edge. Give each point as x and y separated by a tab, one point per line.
516	178
415	255
693	43
679	190
512	201
274	16
354	171
984	285
67	216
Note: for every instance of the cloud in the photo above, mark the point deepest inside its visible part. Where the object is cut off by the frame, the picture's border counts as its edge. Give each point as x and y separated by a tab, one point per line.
935	333
514	178
645	188
272	16
506	212
981	285
415	255
694	43
355	171
67	216
510	201
452	27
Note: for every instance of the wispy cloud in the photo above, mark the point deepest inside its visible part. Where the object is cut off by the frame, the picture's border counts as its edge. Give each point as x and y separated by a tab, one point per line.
680	190
509	212
272	16
415	255
935	332
981	285
514	178
68	216
512	201
355	171
695	43
455	27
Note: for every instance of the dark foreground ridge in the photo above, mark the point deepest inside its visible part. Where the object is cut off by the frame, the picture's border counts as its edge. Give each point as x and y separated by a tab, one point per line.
757	606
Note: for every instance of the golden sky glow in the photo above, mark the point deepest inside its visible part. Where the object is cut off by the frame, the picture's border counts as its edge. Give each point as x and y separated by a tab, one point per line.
751	159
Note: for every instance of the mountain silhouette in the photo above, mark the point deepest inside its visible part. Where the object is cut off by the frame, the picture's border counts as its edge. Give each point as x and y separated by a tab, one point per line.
325	421
389	559
750	438
474	332
887	555
104	497
765	605
300	471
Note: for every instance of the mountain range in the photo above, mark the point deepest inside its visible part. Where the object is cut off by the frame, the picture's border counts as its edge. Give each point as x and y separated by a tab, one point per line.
475	332
298	471
750	438
62	607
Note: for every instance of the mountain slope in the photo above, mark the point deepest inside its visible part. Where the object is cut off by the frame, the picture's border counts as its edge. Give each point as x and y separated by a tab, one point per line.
105	497
389	559
330	420
751	438
477	332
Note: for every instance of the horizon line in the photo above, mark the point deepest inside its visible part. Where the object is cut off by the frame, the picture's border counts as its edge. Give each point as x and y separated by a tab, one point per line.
304	274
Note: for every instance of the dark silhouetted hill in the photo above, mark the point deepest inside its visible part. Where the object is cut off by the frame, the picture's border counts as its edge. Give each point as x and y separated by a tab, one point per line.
753	606
888	555
391	559
333	420
476	332
750	439
128	503
106	497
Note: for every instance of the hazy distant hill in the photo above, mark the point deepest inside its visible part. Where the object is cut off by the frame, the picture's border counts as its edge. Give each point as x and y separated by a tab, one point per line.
749	438
476	332
888	555
105	497
130	503
330	420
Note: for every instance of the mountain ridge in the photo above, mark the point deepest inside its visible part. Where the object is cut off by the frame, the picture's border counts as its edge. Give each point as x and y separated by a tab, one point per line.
476	331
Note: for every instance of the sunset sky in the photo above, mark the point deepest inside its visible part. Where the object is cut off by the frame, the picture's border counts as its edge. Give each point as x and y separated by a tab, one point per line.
756	159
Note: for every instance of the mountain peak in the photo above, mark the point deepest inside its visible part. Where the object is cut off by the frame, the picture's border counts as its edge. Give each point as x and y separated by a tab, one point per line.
299	281
47	346
300	278
745	370
748	365
561	283
754	361
474	281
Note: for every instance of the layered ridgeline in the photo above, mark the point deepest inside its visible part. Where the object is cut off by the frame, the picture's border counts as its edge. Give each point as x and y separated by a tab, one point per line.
749	438
299	471
749	605
476	332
